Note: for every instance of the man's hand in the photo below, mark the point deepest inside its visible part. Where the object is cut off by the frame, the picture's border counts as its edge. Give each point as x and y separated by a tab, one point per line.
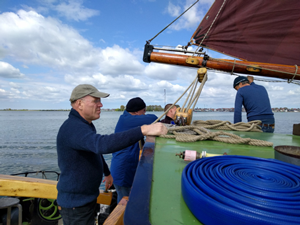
108	181
154	129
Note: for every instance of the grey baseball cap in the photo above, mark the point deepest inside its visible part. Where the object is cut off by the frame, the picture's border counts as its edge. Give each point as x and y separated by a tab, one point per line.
86	89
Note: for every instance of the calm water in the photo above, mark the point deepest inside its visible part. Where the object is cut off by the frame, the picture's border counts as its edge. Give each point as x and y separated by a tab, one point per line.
28	138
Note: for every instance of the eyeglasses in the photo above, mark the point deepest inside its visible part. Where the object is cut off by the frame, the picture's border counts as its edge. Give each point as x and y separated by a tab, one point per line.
96	101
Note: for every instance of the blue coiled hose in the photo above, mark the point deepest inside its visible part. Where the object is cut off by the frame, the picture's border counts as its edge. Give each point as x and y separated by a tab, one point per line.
242	190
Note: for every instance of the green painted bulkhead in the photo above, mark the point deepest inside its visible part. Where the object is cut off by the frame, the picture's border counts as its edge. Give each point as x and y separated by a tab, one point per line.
167	205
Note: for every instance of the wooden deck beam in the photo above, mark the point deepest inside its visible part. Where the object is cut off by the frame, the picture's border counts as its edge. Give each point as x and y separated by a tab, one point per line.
37	188
116	216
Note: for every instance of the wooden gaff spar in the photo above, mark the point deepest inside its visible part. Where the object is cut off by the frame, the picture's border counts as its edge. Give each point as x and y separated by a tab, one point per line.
264	35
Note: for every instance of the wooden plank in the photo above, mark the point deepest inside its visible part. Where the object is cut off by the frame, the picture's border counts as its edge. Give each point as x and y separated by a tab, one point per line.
266	69
116	216
37	188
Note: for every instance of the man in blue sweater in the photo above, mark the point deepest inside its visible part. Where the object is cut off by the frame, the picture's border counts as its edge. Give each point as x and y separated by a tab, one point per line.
124	162
256	103
79	151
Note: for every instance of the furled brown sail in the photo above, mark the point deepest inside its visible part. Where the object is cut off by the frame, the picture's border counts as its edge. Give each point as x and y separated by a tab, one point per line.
265	34
259	30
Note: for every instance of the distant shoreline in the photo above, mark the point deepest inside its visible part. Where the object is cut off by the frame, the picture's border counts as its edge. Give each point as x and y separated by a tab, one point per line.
195	110
34	109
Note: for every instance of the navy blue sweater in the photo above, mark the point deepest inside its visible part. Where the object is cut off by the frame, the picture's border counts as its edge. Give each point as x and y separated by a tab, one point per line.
256	102
79	151
124	162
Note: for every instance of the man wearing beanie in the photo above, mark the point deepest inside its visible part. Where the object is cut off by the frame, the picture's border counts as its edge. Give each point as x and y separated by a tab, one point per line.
124	162
256	102
79	153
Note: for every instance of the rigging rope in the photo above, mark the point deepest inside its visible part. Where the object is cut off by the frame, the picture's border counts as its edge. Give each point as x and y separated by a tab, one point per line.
195	133
210	27
194	100
296	70
242	190
172	22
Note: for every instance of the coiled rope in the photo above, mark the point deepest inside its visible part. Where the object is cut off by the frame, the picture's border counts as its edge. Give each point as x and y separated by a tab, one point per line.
194	133
226	125
242	190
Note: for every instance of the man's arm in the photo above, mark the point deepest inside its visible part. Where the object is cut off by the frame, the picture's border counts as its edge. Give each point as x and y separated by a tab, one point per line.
105	167
105	144
238	108
154	129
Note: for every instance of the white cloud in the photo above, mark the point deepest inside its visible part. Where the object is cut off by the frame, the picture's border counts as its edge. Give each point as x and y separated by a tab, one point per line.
8	71
74	10
191	18
70	9
174	10
116	60
109	83
38	91
170	72
57	57
33	39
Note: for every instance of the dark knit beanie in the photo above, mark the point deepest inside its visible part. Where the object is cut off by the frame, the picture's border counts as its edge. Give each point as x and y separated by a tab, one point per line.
135	104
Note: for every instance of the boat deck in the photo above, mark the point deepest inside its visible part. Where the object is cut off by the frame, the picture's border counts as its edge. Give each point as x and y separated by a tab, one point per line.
158	200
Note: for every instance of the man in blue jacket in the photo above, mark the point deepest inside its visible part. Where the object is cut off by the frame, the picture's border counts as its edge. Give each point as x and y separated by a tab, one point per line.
124	162
79	151
256	102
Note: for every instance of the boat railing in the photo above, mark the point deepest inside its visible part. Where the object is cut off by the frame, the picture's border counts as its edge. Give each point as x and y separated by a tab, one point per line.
45	174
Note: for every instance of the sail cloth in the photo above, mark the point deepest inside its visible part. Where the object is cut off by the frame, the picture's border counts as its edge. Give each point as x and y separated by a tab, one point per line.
258	30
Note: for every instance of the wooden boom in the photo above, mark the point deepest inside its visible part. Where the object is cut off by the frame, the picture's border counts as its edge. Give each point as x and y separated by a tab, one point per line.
245	67
37	188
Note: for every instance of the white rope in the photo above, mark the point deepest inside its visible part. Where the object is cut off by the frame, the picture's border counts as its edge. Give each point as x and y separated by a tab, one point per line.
193	87
199	91
194	100
290	80
233	68
175	102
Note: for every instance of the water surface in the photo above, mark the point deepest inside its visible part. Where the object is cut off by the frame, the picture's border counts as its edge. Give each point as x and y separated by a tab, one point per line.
28	138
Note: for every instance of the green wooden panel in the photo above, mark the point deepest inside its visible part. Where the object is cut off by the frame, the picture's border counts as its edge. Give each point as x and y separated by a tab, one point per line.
167	205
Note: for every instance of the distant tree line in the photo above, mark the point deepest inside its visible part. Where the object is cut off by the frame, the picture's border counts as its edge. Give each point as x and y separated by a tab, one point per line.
148	108
122	108
154	108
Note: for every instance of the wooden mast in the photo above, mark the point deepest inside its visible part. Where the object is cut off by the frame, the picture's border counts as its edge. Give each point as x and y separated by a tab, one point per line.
244	67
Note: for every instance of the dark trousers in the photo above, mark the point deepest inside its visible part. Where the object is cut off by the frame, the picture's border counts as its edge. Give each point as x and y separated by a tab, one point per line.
83	215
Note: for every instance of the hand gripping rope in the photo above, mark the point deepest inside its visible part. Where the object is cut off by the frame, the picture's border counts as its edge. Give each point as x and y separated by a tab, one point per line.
242	190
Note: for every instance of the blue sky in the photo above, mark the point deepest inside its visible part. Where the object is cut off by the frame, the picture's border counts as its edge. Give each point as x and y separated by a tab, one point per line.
47	47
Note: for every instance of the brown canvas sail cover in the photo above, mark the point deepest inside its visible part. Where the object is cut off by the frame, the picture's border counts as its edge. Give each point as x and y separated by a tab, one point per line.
254	30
